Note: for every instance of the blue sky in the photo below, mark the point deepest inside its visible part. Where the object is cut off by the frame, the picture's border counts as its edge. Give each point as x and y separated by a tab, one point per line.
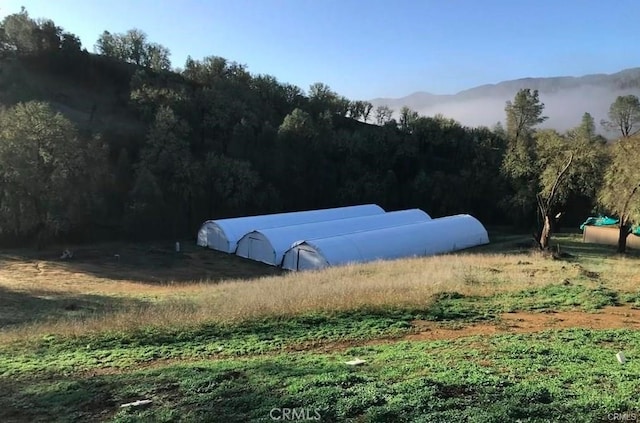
377	48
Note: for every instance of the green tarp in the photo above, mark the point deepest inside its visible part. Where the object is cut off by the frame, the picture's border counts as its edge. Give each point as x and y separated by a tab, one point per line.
606	221
599	221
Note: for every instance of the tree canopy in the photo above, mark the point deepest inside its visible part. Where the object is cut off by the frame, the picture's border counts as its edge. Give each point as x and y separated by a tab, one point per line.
519	164
44	172
523	114
133	47
545	168
620	191
624	115
22	35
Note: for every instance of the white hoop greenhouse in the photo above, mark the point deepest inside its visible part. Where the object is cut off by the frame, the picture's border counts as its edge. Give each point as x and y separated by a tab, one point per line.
269	245
224	234
432	237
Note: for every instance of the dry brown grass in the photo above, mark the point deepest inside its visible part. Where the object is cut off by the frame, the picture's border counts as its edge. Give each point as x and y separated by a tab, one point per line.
128	304
411	282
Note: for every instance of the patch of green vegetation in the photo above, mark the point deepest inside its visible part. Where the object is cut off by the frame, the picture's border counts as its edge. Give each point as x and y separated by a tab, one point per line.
563	376
557	297
450	306
61	354
55	354
632	298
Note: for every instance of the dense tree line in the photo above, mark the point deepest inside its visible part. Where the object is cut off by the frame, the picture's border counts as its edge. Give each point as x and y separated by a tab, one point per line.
19	34
219	141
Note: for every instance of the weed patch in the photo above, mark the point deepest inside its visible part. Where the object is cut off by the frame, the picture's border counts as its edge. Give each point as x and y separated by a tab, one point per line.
477	379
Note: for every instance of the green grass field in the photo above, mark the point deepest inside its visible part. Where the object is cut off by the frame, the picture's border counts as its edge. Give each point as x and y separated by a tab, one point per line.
499	333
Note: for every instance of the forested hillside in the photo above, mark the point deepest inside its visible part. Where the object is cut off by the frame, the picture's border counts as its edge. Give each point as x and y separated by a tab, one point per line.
118	144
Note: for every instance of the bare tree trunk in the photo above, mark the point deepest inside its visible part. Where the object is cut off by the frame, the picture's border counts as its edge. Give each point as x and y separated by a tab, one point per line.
625	226
547	230
545	206
622	237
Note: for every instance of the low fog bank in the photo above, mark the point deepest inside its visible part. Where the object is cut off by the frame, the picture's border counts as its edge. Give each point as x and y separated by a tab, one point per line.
563	108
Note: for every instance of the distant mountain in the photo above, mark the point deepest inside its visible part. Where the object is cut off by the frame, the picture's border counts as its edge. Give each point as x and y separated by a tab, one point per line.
566	98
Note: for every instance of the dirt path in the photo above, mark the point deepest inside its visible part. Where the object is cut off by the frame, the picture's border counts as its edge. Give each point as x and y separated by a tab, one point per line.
623	317
619	317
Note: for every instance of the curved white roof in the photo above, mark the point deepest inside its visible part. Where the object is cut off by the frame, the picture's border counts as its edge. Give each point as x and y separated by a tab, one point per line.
435	236
224	234
269	245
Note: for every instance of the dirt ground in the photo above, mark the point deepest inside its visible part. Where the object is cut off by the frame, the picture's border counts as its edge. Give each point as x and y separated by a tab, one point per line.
526	322
615	317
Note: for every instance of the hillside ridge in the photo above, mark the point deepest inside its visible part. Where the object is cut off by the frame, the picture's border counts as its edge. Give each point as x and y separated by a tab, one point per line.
526	82
566	98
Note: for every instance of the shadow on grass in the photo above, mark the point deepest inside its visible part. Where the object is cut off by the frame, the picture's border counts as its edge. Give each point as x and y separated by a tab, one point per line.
504	244
18	307
190	393
63	399
571	243
148	263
